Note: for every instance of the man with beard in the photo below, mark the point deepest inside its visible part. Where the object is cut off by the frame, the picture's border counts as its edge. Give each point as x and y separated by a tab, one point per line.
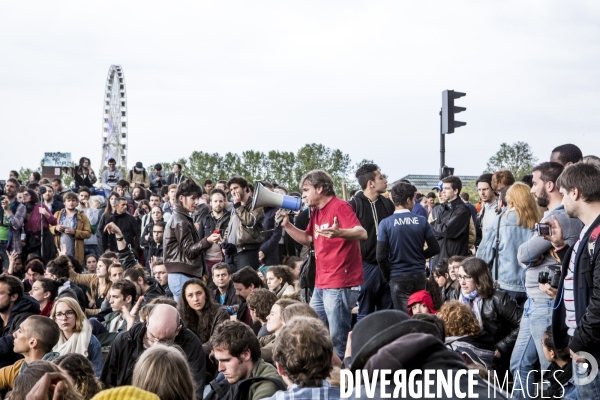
12	217
15	307
216	221
138	194
534	255
50	201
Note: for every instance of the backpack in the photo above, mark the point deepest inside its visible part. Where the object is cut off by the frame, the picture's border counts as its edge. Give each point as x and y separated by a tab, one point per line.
224	390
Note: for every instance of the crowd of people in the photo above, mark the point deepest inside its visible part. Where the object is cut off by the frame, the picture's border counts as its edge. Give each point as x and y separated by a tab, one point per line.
154	286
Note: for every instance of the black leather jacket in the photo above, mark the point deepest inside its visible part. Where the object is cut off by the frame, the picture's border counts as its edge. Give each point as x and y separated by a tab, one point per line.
501	316
182	246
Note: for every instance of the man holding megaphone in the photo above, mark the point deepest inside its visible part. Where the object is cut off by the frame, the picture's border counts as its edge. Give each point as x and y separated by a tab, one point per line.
335	232
245	232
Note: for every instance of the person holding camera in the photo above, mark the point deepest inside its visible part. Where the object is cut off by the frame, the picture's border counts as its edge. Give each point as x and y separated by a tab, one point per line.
12	217
576	311
542	271
157	179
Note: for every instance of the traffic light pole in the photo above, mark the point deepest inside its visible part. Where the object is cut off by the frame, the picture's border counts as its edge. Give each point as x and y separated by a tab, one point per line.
442	149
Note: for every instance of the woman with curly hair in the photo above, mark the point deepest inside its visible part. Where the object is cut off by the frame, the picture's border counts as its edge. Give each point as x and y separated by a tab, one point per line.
463	331
198	311
81	371
280	280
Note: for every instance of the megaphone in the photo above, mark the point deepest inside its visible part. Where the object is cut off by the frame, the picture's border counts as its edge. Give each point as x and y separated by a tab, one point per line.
263	197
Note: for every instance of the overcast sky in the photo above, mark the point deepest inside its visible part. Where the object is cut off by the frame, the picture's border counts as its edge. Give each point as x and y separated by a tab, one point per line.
362	76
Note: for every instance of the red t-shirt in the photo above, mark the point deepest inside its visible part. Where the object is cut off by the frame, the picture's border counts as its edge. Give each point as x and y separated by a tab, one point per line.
339	263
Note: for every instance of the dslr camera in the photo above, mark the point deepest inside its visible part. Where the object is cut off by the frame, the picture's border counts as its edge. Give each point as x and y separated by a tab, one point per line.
550	275
543	230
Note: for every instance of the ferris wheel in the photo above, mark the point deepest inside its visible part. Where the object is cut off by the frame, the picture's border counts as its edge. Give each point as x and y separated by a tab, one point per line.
114	119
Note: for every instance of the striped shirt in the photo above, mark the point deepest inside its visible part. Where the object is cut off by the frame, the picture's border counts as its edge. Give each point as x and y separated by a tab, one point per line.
325	392
570	318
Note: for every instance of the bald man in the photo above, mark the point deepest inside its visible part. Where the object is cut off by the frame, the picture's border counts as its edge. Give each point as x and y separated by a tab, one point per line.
163	325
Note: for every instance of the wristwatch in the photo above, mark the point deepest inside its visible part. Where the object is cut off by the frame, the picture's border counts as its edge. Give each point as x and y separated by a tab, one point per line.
120	239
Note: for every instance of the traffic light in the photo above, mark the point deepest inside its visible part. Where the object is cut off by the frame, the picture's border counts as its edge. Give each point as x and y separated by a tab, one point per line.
449	109
446	172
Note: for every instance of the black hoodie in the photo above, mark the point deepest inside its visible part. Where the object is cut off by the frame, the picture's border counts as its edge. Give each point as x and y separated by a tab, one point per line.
363	207
22	309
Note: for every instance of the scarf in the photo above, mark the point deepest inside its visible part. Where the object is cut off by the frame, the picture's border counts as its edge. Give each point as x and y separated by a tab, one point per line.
78	343
63	216
474	301
48	309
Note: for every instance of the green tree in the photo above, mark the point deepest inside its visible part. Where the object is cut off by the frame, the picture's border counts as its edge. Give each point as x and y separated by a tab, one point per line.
518	158
280	168
316	156
204	166
253	165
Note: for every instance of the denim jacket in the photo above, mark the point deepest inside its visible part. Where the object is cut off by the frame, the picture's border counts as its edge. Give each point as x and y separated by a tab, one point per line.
510	273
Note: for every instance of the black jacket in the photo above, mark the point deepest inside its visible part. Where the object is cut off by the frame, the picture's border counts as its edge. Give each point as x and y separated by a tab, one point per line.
208	224
270	247
128	346
586	290
171	179
451	229
183	248
501	316
363	207
22	309
231	298
129	227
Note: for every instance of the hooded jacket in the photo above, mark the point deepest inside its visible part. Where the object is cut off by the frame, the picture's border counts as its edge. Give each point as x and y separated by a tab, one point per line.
424	352
370	214
128	346
423	297
22	309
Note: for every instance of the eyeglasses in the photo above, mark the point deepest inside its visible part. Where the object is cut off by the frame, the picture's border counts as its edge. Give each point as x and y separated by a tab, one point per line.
153	339
67	314
464	278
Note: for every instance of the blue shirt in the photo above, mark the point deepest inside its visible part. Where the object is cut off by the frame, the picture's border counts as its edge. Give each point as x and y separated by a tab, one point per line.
405	234
325	392
420	210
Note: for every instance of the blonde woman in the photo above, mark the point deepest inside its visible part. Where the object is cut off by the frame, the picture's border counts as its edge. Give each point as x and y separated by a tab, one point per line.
76	332
514	226
161	361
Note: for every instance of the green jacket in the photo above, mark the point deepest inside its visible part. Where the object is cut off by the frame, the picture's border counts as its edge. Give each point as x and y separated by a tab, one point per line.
263	390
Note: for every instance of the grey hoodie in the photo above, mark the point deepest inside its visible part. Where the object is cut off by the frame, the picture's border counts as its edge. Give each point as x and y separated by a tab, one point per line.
537	245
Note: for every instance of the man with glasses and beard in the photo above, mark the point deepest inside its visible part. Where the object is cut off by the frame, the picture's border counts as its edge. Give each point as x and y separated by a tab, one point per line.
163	325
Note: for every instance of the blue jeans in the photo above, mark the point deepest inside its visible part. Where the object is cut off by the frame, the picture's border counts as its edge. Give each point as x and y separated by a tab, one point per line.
586	390
528	349
374	293
176	282
91	249
334	307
